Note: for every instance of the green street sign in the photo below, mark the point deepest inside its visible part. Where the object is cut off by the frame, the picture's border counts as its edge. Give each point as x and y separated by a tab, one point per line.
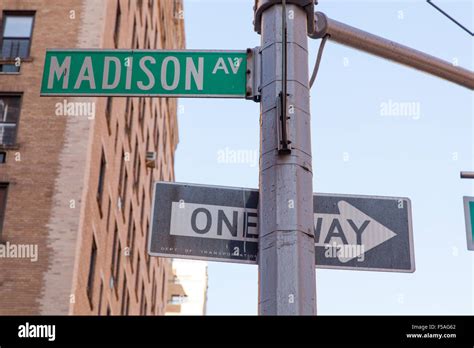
188	73
469	217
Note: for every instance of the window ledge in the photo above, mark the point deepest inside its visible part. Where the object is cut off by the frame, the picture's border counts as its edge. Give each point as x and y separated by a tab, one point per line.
4	60
9	147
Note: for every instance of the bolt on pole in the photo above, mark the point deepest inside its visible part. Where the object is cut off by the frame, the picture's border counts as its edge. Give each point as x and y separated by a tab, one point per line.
287	283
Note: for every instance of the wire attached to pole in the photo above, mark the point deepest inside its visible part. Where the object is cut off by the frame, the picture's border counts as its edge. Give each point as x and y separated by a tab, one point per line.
318	60
284	146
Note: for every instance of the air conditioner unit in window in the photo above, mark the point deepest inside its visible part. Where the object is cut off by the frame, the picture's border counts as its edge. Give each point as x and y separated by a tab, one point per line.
150	159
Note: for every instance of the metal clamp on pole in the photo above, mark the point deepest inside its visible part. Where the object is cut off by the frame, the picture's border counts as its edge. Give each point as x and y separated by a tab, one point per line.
284	144
262	5
254	74
282	107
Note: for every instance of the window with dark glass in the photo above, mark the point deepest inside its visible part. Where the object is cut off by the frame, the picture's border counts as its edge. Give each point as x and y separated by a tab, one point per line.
100	186
142	301
109	208
116	256
16	38
3	203
118	18
99	306
153	293
108	112
92	267
125	297
9	116
121	178
132	244
142	211
3	157
137	275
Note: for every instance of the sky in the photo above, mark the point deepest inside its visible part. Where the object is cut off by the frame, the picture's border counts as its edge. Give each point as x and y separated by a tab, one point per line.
356	148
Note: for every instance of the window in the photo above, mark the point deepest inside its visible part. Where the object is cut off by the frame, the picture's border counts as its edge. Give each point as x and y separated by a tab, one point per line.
3	203
145	39
137	275
116	135
125	181
125	298
118	18
163	282
16	38
9	115
130	121
142	212
115	263
148	258
108	112
132	245
141	114
178	299
122	172
165	141
142	301
157	134
100	297
100	185
109	208
150	188
153	293
139	169
136	165
3	156
134	32
92	264
127	116
129	230
147	144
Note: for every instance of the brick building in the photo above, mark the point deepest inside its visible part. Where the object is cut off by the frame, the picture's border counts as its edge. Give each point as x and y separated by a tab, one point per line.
77	186
187	289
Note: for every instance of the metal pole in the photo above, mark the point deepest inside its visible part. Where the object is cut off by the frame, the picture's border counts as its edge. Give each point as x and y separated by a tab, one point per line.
287	284
364	41
467	175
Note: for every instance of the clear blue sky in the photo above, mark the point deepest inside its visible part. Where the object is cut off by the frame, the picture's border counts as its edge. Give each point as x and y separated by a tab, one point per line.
419	157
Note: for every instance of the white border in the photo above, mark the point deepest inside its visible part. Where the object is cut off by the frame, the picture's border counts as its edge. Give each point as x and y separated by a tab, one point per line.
144	95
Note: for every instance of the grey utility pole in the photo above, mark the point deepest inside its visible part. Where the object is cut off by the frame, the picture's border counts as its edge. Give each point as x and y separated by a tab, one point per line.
287	284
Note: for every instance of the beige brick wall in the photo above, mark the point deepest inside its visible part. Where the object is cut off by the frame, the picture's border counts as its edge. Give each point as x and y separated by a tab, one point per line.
60	158
41	140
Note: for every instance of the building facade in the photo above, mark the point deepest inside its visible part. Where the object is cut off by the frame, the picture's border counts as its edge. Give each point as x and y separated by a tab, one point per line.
187	290
76	173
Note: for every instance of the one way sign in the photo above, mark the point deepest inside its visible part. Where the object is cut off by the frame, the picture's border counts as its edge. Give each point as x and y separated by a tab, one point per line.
221	223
